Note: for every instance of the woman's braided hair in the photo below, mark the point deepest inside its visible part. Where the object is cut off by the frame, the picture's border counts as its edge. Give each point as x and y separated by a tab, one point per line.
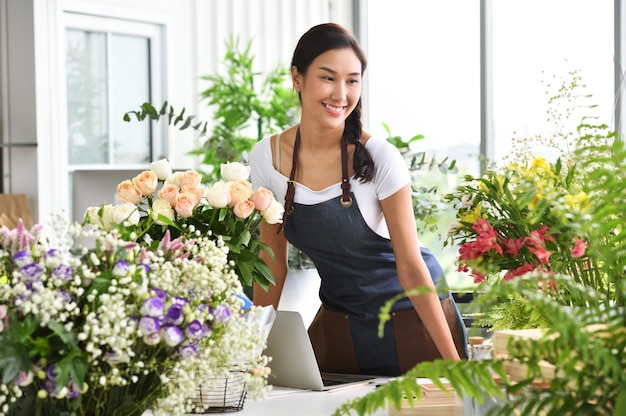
316	41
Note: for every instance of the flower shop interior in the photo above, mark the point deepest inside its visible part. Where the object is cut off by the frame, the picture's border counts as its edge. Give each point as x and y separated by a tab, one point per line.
509	115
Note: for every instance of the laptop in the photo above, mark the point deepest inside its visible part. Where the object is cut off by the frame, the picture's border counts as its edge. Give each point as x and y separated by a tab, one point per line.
293	361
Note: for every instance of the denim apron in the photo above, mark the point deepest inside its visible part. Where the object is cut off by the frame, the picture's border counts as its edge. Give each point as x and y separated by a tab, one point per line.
358	275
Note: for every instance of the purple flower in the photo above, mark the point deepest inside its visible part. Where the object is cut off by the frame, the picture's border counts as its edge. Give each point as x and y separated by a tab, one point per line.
195	329
65	296
175	315
159	293
31	272
153	307
63	272
180	301
187	351
22	258
221	313
149	325
172	335
112	357
120	268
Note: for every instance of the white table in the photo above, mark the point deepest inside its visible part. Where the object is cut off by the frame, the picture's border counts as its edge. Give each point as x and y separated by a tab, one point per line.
290	402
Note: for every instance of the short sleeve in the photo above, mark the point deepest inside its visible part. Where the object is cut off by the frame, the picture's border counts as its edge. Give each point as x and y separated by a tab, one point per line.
392	173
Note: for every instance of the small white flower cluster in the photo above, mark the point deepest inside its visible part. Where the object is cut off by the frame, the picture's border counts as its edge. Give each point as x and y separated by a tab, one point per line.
122	313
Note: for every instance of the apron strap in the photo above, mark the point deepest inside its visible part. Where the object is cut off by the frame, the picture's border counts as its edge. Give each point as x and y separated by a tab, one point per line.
345	200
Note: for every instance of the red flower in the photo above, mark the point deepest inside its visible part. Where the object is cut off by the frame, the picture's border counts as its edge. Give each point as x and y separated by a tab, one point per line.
513	246
542	254
579	248
526	268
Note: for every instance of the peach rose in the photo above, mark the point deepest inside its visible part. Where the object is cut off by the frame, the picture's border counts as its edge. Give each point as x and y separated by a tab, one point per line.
169	193
185	203
243	208
238	191
190	179
146	182
197	192
128	192
262	198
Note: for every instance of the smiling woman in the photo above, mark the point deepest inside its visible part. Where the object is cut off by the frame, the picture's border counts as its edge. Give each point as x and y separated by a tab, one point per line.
349	208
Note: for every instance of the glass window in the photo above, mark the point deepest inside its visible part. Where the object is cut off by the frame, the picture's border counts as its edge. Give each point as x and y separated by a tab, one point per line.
110	69
423	77
536	43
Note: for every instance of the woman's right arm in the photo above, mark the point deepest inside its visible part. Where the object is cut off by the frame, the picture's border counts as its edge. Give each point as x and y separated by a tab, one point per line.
278	265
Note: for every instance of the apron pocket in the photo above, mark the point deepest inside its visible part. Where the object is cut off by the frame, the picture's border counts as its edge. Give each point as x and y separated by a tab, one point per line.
413	341
331	339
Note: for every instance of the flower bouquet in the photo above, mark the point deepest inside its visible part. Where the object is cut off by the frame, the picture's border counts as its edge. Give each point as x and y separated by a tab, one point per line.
137	307
521	219
182	205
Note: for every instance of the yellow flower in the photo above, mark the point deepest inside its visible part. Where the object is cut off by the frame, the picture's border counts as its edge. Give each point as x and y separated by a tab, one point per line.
472	216
540	164
580	201
4	279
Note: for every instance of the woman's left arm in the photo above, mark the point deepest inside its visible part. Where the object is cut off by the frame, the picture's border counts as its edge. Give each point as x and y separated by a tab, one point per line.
412	270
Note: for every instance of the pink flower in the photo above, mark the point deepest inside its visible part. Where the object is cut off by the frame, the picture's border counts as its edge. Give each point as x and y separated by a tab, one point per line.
262	198
579	248
542	254
243	208
513	246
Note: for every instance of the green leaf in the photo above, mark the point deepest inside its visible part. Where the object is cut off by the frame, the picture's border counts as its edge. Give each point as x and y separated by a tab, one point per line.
13	359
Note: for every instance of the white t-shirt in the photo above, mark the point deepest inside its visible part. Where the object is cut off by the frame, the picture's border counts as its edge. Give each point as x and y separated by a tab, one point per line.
391	175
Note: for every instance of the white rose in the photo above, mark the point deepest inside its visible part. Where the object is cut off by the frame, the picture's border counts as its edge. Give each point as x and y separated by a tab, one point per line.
107	216
274	213
162	168
175	179
92	215
125	212
161	207
218	195
234	171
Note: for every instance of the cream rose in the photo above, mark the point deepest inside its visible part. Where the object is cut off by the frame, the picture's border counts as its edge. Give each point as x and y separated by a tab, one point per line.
238	191
126	212
274	213
185	203
234	171
164	208
168	192
243	208
128	192
146	182
92	216
175	179
107	216
162	168
218	195
262	198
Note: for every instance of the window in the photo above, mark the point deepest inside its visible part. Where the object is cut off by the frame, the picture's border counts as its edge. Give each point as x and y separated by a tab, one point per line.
112	66
539	42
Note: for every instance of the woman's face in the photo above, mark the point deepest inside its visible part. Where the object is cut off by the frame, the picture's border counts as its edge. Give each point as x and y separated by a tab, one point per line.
331	87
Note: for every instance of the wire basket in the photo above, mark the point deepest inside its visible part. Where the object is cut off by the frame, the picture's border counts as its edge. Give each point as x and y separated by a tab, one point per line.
222	394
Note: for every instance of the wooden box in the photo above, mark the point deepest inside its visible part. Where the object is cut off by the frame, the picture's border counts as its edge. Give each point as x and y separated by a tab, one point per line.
434	402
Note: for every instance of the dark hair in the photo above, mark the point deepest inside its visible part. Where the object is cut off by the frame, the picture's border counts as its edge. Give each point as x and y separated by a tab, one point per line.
316	41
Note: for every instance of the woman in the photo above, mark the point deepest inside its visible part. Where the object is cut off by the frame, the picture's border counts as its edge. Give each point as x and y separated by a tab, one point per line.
348	206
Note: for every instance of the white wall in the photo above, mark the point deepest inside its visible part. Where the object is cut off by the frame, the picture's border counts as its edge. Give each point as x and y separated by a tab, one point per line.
32	109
